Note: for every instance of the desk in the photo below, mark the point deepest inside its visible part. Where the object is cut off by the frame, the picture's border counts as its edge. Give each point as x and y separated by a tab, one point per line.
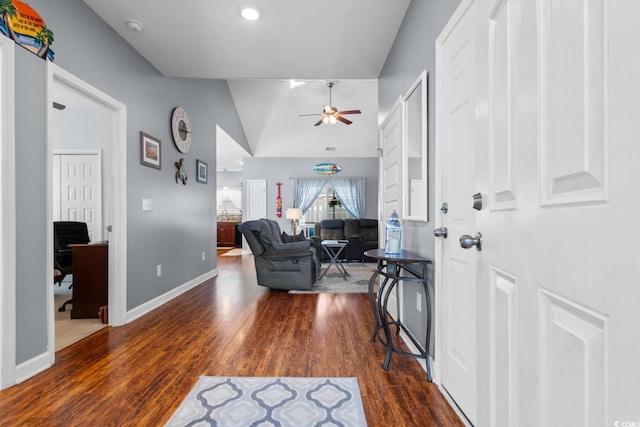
90	279
391	268
334	248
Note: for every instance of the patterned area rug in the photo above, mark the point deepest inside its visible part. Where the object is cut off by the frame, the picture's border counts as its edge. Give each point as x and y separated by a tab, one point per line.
333	282
271	401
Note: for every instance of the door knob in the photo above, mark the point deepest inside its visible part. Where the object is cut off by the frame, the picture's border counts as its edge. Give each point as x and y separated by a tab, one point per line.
467	241
441	232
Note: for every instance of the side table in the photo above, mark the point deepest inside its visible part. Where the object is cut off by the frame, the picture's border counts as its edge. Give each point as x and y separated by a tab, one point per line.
334	248
391	268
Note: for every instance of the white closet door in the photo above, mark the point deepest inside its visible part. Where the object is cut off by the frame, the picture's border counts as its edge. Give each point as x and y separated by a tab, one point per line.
78	184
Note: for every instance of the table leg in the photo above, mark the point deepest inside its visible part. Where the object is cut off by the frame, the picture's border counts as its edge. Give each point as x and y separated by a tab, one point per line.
385	323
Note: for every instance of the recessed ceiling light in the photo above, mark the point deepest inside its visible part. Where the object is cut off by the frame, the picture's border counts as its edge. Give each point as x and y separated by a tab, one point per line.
250	13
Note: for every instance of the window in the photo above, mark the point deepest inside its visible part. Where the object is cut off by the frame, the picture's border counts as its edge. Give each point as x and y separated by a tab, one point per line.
326	206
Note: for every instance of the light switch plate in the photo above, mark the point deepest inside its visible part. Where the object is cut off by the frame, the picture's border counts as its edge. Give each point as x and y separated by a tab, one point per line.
147	205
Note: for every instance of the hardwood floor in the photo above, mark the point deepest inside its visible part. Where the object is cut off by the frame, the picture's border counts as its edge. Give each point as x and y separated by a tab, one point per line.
138	374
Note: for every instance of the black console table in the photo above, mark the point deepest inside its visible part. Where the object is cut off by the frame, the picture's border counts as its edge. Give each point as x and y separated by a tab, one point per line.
391	267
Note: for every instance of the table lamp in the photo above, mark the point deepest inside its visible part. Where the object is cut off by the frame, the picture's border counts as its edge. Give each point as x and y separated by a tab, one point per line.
294	214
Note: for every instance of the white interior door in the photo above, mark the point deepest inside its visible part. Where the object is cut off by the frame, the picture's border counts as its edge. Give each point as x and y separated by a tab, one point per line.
78	189
456	267
555	285
564	294
256	199
391	178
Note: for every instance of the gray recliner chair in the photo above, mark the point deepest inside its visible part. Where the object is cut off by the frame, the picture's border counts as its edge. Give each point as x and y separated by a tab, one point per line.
280	265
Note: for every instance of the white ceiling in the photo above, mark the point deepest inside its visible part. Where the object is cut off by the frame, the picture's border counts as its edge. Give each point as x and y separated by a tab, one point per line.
310	41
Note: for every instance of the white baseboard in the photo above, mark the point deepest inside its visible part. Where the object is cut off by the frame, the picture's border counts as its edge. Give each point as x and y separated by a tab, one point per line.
149	306
33	367
414	349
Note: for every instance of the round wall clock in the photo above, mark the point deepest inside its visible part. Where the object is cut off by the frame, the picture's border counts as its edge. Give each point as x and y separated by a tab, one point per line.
181	129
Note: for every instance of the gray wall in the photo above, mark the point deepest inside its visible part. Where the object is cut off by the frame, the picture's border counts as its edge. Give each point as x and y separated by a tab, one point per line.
31	227
412	52
183	217
282	169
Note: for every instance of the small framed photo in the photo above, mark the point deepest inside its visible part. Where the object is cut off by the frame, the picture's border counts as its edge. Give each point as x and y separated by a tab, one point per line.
201	171
149	151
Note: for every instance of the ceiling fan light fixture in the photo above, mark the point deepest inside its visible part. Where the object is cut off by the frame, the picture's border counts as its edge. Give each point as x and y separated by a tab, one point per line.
332	120
250	13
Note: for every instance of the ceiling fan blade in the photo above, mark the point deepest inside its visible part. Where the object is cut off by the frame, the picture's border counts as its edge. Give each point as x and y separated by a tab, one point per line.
343	120
319	122
315	114
349	112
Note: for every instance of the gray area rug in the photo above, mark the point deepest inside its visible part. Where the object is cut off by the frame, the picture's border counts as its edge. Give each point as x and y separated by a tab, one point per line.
333	282
271	401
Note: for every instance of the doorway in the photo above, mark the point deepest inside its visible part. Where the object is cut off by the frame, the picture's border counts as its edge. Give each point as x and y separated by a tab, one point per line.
64	87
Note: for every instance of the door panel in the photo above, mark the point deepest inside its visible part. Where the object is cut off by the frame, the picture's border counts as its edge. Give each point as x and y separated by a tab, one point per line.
572	89
455	53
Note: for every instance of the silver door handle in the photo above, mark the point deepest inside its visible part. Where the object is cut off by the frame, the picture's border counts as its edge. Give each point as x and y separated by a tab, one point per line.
467	241
441	232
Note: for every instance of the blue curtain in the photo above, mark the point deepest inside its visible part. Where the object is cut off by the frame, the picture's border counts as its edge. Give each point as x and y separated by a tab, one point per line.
306	191
351	193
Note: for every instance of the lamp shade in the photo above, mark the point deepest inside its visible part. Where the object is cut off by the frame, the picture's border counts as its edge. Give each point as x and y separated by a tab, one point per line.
294	213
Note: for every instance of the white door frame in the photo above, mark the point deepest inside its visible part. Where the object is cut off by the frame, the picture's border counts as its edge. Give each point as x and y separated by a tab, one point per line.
7	214
117	167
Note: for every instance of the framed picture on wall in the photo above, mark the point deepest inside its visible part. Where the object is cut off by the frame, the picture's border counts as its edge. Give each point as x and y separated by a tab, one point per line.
149	151
201	171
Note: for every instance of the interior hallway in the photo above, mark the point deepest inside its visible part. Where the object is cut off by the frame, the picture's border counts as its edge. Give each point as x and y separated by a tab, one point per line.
137	374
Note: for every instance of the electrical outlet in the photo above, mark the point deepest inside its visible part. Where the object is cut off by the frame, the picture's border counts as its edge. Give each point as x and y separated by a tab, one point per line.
419	301
158	270
203	255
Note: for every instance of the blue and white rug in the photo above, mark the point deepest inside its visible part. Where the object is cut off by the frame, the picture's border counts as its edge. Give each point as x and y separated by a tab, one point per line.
271	401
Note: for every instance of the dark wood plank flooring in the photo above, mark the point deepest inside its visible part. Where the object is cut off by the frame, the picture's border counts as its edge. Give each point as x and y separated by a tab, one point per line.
137	375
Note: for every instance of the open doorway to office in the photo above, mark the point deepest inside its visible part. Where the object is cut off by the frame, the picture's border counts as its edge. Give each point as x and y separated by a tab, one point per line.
79	115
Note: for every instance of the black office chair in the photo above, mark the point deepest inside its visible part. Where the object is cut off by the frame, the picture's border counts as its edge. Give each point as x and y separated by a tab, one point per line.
66	233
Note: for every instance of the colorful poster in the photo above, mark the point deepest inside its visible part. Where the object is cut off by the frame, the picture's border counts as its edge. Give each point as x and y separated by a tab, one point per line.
22	24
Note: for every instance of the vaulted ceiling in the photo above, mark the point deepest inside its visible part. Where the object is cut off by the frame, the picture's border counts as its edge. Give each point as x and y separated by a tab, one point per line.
277	67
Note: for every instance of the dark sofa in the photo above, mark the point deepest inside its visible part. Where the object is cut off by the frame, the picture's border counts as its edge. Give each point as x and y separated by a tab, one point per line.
361	233
280	263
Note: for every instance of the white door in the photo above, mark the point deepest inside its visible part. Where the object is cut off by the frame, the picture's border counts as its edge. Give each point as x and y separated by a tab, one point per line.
561	263
456	267
78	190
391	178
256	199
557	278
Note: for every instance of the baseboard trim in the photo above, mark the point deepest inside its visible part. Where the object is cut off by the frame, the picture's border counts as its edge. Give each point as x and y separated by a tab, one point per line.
151	305
33	367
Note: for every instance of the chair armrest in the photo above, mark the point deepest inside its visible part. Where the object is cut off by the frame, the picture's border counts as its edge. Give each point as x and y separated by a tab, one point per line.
291	246
287	254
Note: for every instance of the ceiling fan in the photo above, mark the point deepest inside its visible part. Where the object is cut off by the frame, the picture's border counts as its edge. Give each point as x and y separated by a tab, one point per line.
330	114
